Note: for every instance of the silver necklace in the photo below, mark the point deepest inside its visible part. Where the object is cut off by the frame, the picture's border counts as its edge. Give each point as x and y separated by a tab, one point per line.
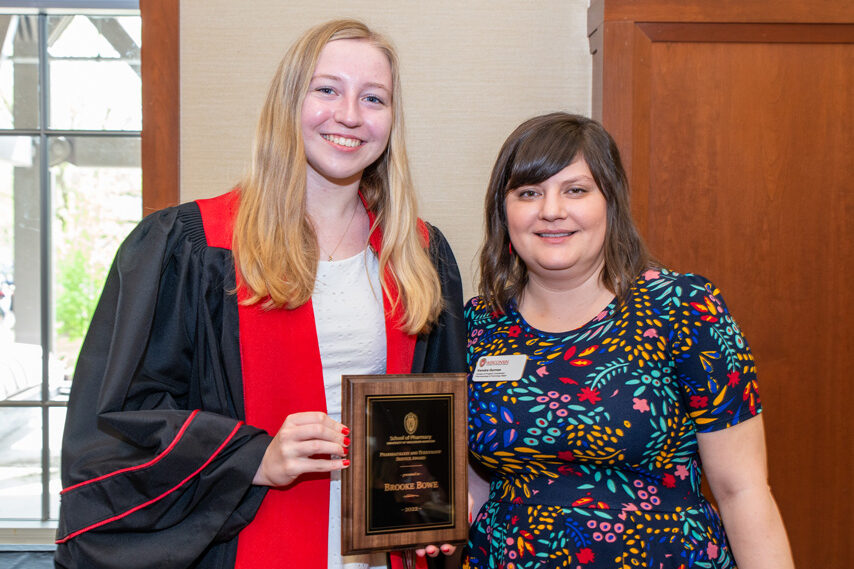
343	235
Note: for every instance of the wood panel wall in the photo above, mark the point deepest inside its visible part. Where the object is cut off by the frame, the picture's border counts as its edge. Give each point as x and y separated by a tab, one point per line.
735	122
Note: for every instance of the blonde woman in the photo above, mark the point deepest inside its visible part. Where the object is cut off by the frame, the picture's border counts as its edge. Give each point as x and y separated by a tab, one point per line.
203	426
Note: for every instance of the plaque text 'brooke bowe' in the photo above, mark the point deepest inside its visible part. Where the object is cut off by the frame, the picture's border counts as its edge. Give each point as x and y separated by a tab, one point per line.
406	485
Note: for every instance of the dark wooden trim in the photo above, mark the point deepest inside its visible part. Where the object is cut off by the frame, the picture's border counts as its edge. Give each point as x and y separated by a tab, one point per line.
779	11
161	100
749	33
617	77
641	88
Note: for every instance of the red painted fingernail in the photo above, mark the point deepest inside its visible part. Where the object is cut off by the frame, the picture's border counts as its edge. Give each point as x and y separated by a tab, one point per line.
346	451
445	548
346	462
345	431
346	441
471	519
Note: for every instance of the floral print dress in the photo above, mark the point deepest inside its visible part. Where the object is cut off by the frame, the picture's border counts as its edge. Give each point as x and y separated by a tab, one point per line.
592	453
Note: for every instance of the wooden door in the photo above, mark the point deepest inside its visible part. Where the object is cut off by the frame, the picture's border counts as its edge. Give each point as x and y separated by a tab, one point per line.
735	122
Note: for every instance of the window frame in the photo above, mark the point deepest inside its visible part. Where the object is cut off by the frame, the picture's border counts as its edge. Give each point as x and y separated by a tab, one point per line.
160	179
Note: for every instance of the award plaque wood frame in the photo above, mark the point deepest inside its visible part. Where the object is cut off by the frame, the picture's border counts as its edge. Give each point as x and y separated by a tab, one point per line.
407	481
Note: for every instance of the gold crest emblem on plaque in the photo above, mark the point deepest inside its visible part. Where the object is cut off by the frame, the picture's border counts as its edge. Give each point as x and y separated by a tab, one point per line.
410	422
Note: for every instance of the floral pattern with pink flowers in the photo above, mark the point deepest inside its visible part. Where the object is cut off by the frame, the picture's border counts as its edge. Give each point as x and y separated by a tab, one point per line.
592	452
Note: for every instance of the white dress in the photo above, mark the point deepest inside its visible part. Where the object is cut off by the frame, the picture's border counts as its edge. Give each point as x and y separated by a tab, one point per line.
348	313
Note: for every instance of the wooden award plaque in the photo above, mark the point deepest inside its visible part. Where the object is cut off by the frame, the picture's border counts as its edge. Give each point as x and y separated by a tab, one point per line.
406	485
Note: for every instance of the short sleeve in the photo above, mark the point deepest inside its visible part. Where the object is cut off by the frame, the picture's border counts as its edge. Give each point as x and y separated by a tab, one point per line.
713	362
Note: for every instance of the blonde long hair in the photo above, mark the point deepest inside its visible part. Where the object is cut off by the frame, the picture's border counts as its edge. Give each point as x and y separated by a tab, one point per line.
275	245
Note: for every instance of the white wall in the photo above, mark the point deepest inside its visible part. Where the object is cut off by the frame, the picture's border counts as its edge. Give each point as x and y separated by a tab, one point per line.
471	71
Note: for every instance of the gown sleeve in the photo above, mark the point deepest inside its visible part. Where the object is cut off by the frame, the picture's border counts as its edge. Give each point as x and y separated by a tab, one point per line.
156	465
714	365
442	350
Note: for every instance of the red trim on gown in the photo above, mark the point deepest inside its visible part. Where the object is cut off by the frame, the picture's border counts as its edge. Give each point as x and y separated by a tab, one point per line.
282	374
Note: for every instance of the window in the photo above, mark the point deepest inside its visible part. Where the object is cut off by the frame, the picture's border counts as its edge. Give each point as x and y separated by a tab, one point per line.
70	191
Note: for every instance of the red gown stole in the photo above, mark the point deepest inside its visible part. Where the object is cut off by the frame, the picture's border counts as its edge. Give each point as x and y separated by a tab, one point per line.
282	374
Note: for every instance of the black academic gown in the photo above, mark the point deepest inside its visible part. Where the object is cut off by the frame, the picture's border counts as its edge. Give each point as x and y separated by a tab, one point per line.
157	463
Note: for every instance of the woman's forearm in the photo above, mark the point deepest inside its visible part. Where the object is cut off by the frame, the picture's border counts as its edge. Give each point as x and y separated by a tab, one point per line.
755	530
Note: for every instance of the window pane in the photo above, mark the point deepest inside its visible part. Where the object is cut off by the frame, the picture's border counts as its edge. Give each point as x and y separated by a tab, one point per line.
93	200
94	73
57	425
20	269
20	463
19	72
97	200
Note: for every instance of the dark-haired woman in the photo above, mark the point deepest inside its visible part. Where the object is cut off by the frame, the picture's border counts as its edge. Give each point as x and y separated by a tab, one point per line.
600	381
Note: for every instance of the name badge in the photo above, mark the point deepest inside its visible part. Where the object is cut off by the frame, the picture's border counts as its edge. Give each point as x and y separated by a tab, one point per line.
499	368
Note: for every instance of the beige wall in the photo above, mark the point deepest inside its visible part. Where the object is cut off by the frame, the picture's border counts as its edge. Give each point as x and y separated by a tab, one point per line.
471	70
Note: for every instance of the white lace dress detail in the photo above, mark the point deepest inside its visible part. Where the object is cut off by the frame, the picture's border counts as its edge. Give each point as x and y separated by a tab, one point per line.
348	313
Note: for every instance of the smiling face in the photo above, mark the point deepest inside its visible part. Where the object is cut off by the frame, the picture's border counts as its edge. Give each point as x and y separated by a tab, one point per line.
347	114
557	227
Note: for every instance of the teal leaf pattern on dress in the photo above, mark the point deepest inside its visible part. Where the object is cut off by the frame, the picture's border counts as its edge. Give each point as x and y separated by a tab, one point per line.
592	453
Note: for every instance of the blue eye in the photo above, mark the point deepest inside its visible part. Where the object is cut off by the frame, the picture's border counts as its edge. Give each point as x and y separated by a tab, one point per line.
374	99
325	90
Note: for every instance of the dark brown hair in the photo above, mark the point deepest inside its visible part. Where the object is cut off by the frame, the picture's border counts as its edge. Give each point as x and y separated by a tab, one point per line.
538	149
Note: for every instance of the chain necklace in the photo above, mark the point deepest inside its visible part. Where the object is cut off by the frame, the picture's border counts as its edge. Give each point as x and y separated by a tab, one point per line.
343	235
